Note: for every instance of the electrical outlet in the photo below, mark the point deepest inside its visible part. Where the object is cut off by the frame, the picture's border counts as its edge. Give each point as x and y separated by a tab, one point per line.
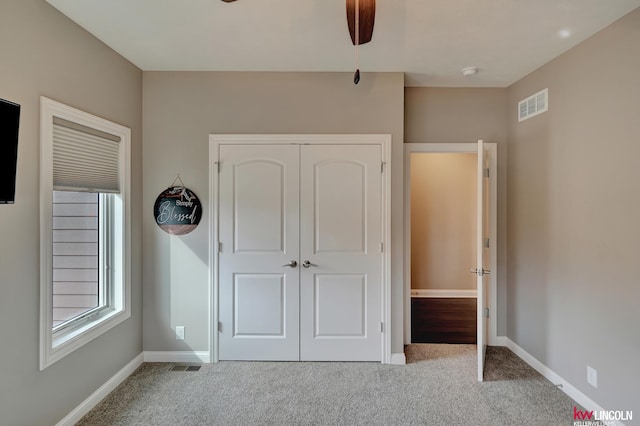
179	332
592	377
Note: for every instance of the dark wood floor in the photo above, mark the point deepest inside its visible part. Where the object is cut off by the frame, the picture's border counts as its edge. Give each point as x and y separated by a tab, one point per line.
443	320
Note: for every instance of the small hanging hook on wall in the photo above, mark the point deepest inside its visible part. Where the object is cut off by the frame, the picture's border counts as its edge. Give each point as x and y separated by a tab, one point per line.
177	179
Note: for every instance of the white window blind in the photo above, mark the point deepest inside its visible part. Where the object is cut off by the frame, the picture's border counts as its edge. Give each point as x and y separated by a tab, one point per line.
85	159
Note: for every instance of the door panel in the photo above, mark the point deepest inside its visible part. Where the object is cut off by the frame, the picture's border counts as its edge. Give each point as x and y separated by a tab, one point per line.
340	236
258	186
482	255
259	220
259	305
339	207
340	306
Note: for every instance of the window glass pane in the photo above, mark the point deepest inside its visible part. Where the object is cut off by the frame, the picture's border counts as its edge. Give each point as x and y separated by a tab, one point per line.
75	254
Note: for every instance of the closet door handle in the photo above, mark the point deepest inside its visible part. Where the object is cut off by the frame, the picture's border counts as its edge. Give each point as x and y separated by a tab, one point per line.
307	264
291	264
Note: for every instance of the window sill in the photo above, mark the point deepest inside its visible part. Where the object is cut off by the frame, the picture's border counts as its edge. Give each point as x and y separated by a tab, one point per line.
67	341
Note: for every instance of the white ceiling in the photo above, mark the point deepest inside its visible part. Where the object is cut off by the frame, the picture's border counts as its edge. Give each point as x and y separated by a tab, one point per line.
429	40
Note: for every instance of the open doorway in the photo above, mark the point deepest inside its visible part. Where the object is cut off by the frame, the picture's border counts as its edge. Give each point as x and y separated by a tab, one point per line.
443	247
442	243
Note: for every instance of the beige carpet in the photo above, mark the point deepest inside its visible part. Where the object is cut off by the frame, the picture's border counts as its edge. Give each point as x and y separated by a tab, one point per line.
437	387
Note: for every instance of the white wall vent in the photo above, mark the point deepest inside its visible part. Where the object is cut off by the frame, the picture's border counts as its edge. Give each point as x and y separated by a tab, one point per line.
533	105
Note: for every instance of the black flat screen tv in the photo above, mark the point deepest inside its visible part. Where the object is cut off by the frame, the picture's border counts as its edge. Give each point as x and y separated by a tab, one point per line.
9	125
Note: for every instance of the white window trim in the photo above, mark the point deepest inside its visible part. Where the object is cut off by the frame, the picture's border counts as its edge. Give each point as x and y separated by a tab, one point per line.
53	348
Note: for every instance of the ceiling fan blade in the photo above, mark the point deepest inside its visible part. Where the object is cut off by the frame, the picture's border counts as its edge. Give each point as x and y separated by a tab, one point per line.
228	1
367	19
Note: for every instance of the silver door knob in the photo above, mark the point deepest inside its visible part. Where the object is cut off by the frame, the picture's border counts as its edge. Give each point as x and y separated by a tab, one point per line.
307	264
291	264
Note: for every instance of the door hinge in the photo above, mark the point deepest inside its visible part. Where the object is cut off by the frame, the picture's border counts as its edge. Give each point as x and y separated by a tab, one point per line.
219	247
486	243
220	326
381	247
486	312
382	167
219	165
381	327
485	173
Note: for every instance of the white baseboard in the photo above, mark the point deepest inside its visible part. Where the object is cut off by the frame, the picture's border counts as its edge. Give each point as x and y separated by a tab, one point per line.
94	399
499	341
198	357
443	293
556	379
398	359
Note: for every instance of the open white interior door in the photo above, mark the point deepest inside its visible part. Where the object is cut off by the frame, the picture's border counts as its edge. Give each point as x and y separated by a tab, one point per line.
482	251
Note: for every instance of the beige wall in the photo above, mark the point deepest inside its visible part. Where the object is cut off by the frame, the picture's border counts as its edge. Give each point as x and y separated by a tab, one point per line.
44	53
443	221
454	115
574	206
181	109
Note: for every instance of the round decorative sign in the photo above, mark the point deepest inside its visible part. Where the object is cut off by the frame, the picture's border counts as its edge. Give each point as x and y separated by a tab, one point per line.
177	210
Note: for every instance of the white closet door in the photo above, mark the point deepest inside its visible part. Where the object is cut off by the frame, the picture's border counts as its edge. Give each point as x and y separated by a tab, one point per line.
259	222
340	237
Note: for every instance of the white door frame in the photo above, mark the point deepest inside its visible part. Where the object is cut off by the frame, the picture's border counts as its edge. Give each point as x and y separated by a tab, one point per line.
215	140
471	148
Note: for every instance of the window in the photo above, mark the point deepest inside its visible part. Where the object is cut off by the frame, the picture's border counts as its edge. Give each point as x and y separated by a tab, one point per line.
78	281
84	215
